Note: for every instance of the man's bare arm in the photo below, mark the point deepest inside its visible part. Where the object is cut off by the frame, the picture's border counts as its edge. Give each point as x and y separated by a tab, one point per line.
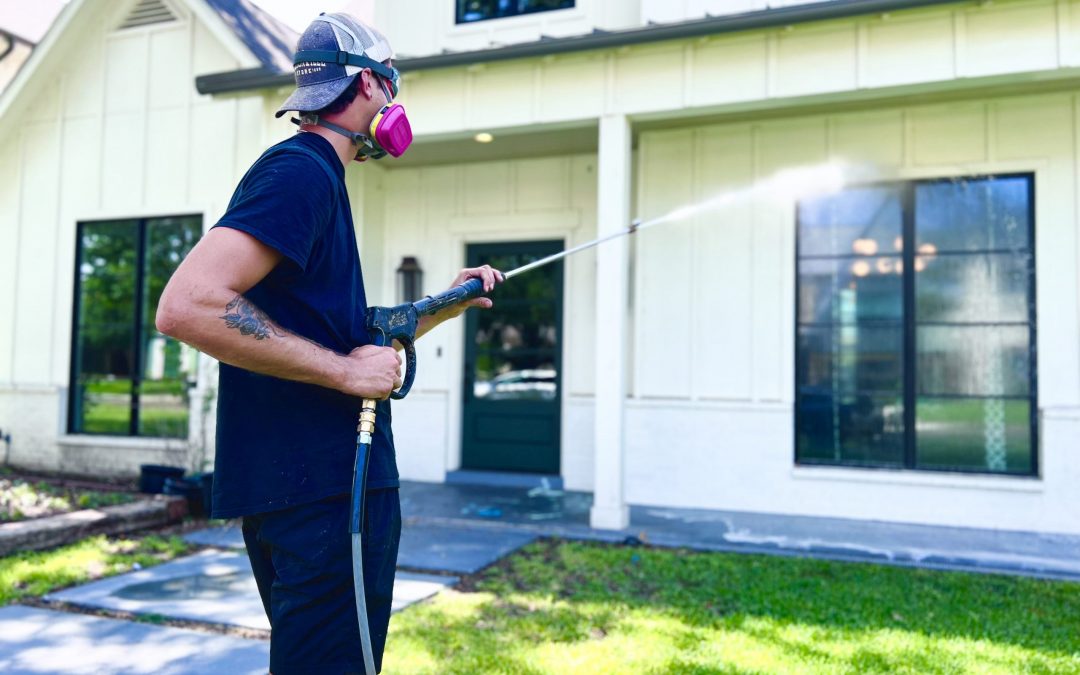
204	305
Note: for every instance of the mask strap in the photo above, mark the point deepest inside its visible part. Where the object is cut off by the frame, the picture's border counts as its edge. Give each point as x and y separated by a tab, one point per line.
364	144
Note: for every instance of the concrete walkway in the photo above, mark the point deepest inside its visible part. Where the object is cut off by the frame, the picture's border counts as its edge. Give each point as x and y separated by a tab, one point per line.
34	641
548	512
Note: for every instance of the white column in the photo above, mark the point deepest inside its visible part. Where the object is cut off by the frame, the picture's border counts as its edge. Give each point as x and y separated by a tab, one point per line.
610	511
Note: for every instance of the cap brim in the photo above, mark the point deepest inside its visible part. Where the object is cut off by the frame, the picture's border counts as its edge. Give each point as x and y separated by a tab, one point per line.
314	96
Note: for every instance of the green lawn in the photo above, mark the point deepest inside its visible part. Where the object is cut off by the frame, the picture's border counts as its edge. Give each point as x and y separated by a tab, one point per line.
589	608
37	573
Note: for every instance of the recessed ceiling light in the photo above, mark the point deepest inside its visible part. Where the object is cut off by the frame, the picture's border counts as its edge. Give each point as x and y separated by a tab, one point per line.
483	137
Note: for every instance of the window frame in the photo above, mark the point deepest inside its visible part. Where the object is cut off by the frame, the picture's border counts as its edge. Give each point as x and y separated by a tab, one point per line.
906	189
142	224
458	22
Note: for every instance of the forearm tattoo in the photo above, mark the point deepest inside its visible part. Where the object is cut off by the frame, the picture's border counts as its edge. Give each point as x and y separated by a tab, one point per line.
245	317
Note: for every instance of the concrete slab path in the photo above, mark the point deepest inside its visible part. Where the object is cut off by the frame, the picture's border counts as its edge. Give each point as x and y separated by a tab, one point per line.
557	513
211	586
459	550
35	641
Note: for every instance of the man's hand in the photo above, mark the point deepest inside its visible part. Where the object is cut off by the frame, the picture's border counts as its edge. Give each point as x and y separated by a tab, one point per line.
371	372
490	277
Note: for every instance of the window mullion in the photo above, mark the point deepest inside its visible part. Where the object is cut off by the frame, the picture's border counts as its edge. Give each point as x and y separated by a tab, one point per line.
140	292
910	353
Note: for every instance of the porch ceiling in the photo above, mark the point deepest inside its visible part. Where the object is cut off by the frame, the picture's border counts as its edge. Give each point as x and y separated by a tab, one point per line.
507	144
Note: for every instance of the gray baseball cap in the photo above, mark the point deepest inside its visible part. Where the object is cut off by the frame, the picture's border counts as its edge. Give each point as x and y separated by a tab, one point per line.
333	49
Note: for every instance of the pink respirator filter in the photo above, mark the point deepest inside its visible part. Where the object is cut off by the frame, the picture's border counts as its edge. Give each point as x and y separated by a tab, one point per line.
392	130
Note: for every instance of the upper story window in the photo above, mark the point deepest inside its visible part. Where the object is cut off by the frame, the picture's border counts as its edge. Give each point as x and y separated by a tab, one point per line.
469	11
916	327
127	379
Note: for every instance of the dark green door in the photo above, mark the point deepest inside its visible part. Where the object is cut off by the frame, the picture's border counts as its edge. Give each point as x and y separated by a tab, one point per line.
513	364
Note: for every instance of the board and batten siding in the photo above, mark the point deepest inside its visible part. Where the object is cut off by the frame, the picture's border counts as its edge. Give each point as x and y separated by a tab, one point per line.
940	48
109	126
714	335
433	213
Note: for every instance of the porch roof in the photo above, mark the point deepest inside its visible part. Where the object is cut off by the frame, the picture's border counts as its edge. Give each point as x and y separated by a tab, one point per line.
268	77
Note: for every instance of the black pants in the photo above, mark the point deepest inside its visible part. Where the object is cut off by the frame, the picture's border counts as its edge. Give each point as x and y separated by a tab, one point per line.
302	560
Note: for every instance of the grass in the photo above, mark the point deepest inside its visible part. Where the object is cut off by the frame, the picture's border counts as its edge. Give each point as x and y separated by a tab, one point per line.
588	608
34	574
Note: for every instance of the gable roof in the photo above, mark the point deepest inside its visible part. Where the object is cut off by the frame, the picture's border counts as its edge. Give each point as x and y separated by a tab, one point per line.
252	35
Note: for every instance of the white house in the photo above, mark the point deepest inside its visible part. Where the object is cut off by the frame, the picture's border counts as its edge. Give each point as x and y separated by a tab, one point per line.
905	349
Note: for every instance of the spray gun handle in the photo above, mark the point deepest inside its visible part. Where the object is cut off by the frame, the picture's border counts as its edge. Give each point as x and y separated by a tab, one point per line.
386	324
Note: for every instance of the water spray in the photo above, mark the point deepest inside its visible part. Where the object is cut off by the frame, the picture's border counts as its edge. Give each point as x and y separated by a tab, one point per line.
797	183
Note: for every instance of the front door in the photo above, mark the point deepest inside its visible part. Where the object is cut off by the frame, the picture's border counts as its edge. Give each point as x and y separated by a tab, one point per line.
513	359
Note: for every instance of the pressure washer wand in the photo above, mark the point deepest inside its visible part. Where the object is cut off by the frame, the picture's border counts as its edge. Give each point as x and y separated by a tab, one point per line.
634	227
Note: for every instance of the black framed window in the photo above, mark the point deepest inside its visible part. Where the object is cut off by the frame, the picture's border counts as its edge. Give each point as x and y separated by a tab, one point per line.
916	326
127	379
469	11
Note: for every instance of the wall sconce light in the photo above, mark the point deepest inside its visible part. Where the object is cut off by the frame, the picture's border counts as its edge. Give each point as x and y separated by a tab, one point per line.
410	280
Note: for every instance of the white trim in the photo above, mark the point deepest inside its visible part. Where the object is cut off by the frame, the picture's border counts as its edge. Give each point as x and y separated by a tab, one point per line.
1060	413
740	406
121	442
913	478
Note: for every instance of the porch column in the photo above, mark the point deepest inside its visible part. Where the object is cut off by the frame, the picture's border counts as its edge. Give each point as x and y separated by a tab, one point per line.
609	510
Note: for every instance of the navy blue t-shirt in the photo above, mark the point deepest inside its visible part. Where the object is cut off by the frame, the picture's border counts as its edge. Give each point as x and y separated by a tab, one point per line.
281	443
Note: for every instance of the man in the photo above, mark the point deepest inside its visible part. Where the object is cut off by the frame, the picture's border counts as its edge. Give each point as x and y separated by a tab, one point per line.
274	291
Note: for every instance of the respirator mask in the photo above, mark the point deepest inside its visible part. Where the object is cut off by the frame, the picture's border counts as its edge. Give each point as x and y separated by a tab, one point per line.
388	134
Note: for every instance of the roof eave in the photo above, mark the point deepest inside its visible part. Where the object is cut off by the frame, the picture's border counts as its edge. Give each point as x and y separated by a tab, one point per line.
261	78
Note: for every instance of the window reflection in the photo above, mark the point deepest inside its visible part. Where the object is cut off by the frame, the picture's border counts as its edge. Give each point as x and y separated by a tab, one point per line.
516	343
128	379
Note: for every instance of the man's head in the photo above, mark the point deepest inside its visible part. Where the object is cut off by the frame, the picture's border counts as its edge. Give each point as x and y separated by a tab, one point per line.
345	77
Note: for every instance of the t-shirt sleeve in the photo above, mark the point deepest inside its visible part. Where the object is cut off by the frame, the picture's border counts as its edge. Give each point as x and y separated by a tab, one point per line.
286	202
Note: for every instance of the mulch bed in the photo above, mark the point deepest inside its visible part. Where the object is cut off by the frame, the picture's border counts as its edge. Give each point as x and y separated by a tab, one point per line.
25	495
